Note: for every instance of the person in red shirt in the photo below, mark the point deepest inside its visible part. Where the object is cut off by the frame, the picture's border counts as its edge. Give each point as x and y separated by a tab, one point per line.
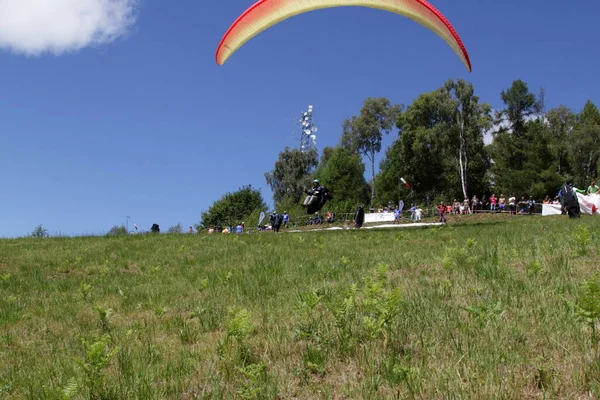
493	202
442	212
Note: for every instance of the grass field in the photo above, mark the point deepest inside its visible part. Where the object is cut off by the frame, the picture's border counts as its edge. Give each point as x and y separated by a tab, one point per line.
484	307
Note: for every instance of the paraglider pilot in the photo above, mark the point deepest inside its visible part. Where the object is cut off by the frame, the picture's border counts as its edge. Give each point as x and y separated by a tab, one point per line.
569	201
359	217
317	196
313	194
276	220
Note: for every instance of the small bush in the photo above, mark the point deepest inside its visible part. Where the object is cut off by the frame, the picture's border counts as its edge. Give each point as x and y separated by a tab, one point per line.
39	231
175	229
117	230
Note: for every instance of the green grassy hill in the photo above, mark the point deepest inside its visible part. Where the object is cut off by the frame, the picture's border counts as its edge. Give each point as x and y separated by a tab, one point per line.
484	307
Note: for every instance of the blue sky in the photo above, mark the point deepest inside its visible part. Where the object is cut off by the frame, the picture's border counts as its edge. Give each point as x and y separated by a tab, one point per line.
140	121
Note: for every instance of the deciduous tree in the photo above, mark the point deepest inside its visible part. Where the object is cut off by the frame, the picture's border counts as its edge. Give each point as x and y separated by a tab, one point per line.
364	133
510	149
234	207
585	145
291	174
342	171
469	119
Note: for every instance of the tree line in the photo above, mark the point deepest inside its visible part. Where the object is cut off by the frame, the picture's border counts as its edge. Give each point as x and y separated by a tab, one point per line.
439	149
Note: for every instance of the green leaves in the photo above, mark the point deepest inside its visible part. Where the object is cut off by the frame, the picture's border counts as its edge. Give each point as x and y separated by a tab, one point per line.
292	174
105	315
343	174
584	144
534	152
240	326
440	148
234	208
363	134
97	357
582	237
485	312
587	308
520	104
117	230
39	232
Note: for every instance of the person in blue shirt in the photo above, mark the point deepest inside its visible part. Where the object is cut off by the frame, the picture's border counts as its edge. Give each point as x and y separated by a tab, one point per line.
286	218
530	204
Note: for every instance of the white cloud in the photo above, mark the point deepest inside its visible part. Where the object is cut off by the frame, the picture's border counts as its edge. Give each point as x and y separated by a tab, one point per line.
488	137
36	27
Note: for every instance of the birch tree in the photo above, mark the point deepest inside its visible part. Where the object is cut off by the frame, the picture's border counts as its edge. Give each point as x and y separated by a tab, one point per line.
470	119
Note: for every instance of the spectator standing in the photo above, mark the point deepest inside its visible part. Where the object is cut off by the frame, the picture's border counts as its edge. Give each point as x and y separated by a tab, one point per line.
530	205
418	213
286	219
456	207
493	203
442	212
512	204
474	204
466	206
522	205
593	188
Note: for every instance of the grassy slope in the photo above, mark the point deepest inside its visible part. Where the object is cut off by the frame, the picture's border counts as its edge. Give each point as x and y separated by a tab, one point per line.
475	309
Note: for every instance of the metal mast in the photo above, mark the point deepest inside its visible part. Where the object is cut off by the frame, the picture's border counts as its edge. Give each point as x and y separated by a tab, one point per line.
308	130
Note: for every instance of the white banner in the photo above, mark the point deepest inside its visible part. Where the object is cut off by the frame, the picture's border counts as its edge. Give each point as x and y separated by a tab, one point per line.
551	209
589	205
379	217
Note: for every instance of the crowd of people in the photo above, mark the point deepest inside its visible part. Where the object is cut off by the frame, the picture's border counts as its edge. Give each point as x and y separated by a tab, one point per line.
501	204
494	204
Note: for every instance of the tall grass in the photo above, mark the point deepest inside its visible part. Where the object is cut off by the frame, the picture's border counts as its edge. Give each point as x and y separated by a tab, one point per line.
503	308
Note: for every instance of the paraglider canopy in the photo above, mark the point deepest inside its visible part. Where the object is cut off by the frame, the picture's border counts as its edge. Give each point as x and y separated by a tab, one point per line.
266	13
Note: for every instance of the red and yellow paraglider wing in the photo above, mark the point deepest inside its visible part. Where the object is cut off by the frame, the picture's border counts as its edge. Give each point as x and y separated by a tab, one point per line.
266	13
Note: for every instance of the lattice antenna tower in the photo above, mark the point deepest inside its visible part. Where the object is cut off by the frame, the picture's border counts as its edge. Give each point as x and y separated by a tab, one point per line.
307	130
